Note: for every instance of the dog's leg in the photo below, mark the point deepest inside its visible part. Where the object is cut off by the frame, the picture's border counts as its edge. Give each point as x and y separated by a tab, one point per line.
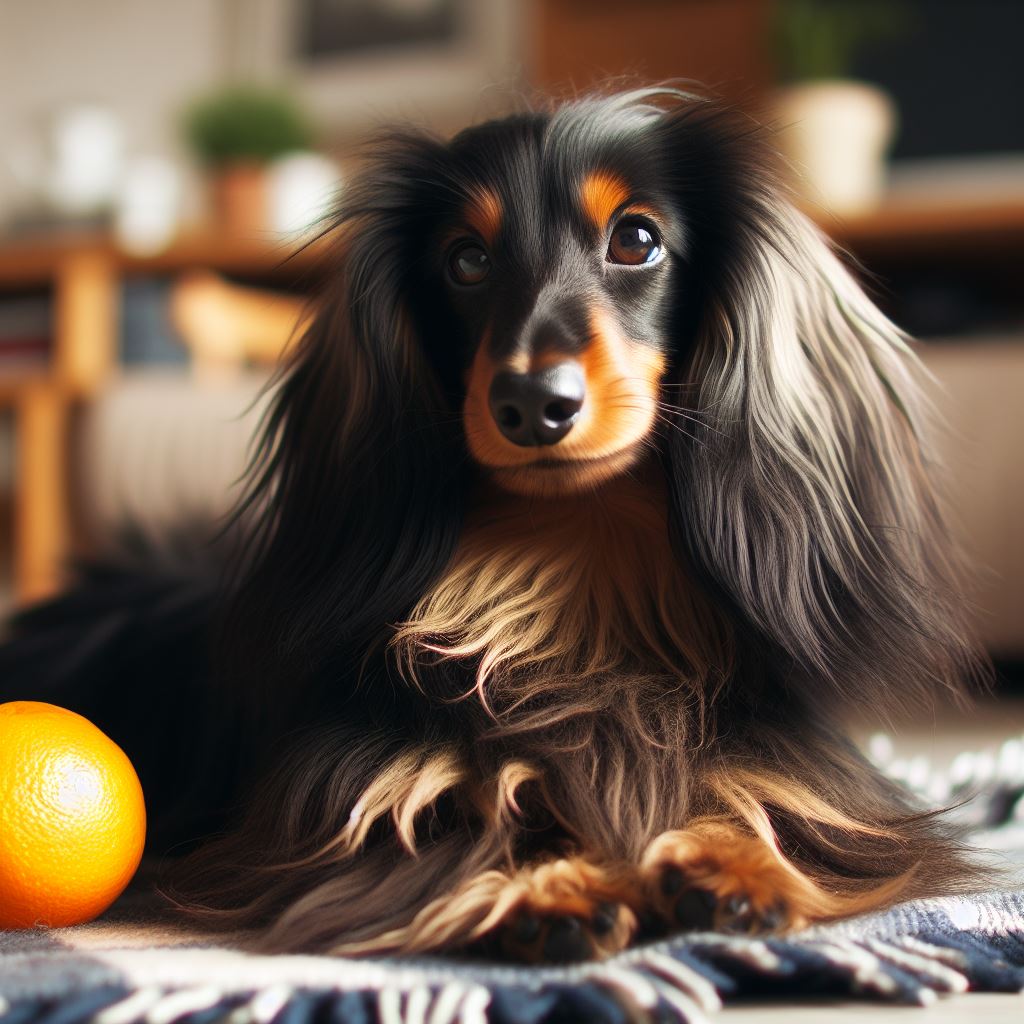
558	911
715	876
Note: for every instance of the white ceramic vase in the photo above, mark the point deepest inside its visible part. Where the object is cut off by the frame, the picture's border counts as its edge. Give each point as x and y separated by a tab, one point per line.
835	134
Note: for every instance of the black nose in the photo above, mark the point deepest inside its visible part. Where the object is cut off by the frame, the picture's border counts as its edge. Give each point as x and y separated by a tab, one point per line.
538	408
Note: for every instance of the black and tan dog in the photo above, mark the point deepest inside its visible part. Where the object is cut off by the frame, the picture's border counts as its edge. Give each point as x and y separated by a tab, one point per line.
595	494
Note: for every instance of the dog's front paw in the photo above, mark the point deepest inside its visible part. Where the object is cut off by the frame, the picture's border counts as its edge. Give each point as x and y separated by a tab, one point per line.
564	911
537	935
694	882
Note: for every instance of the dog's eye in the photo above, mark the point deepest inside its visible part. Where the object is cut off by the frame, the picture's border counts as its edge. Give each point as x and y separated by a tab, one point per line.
634	242
469	263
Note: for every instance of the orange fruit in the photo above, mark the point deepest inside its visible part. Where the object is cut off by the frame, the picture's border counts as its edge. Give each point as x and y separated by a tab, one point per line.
72	817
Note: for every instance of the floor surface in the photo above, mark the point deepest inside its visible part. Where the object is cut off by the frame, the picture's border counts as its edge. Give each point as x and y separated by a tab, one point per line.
983	1008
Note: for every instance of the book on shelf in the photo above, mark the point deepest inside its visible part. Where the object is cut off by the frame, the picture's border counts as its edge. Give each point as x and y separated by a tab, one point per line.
26	332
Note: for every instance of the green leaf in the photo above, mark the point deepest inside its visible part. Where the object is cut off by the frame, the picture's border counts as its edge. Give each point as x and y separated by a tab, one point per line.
243	123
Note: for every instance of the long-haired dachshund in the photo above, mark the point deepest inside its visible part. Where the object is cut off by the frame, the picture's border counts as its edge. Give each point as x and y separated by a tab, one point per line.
595	495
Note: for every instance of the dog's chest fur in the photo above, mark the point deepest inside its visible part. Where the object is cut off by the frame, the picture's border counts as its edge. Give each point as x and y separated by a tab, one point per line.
555	607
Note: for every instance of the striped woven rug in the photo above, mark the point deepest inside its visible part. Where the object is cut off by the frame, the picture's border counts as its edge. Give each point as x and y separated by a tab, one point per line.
135	965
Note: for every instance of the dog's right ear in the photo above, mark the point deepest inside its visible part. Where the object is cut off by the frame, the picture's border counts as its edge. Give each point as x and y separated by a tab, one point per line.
355	497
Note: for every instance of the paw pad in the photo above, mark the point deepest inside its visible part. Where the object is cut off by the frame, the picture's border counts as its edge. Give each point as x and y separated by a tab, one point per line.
708	904
566	942
533	935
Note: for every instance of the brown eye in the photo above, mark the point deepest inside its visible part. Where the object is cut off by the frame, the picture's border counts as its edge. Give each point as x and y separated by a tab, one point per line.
469	263
634	243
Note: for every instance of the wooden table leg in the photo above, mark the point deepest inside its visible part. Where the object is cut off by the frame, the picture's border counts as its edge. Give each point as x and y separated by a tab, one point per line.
40	498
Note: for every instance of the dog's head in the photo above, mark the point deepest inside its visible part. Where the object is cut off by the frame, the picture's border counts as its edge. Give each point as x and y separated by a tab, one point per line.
546	299
555	276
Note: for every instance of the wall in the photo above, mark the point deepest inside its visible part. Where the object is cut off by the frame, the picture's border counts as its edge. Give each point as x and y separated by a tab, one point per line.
140	58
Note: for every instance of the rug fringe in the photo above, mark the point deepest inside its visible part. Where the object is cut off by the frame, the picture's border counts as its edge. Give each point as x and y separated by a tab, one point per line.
674	981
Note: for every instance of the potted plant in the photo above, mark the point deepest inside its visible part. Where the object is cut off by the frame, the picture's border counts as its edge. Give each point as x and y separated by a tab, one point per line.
834	130
236	132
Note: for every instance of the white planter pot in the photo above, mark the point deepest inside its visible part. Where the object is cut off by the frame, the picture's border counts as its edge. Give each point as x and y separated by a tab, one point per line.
835	135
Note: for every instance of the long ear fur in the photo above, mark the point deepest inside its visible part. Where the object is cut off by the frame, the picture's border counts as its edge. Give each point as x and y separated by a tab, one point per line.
356	487
805	492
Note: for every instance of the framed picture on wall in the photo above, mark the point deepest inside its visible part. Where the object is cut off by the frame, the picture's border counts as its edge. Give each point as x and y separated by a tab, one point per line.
360	62
329	29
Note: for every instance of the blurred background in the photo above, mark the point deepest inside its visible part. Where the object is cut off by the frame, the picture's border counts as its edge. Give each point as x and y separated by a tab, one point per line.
159	161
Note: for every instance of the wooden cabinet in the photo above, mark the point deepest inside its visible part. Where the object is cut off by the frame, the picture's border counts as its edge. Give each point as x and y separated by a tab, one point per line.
83	277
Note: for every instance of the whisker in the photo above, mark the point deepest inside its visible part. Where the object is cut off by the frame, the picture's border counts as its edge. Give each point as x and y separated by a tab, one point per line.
671	423
693	419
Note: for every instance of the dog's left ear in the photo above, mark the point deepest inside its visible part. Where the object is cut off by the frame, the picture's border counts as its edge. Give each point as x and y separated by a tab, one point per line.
805	492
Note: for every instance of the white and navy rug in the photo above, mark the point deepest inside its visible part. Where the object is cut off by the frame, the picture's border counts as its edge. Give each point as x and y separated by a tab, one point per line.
129	968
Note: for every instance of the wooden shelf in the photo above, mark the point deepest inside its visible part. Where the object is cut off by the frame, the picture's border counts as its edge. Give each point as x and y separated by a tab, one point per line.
33	263
897	225
902	226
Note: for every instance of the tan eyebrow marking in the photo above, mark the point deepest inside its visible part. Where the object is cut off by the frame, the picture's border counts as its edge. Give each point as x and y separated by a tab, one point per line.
641	210
483	213
601	194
